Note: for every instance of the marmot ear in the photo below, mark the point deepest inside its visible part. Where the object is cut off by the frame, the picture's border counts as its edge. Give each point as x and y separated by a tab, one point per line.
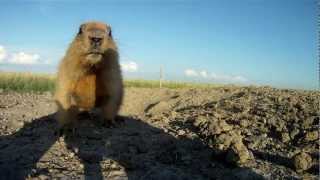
81	28
110	33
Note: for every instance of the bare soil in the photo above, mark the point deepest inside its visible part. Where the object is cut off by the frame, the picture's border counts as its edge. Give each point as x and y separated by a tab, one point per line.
217	133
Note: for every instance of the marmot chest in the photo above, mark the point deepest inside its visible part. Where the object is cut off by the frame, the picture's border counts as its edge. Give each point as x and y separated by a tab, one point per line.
85	91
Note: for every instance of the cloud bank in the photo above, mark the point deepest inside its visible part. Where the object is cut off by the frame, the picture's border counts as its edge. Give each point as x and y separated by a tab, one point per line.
24	58
191	73
203	74
3	53
129	66
20	58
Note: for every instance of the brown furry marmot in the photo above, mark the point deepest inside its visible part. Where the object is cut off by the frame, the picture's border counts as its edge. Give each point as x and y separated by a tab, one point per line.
89	75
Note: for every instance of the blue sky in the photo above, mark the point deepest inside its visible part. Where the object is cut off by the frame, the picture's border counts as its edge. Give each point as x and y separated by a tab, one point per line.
262	42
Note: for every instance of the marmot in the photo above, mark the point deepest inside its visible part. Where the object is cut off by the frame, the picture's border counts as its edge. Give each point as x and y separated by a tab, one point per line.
89	75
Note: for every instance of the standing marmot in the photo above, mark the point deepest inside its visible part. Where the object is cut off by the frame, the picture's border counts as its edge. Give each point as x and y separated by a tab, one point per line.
89	75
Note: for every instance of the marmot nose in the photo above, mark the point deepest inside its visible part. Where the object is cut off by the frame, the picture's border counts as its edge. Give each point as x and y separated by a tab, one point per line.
96	40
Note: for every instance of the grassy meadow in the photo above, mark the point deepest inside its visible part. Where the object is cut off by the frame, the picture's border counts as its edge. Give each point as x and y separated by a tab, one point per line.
36	82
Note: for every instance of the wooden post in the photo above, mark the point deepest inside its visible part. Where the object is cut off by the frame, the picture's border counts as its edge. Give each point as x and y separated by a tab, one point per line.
161	76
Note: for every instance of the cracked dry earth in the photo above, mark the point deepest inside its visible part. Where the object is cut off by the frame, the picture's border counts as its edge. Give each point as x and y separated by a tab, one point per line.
217	133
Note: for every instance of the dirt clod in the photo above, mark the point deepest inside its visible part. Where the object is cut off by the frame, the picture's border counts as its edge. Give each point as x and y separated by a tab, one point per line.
219	126
312	136
302	161
238	154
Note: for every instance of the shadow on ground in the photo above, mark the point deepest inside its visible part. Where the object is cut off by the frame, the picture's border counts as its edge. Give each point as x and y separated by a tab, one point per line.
140	150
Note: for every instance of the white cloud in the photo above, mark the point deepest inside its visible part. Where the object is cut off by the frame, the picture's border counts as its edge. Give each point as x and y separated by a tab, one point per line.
20	58
240	79
221	77
129	66
3	53
191	73
24	58
227	78
204	74
215	77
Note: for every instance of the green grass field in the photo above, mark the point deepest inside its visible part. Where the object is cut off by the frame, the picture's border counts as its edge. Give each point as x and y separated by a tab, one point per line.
32	82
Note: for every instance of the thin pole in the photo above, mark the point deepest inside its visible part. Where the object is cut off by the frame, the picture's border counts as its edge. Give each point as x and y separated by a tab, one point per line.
161	76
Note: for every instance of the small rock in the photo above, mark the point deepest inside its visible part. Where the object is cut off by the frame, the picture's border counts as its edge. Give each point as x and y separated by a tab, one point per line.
223	141
238	154
199	121
285	137
302	161
244	123
114	166
294	132
71	155
306	123
264	135
33	171
76	150
43	177
312	136
279	124
60	175
181	132
257	142
219	126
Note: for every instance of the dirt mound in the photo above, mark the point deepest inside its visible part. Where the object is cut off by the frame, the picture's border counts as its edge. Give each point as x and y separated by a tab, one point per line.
217	133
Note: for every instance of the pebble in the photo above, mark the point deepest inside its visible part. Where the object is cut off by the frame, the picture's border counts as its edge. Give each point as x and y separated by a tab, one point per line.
285	137
76	150
302	161
219	126
114	166
71	155
264	135
181	132
43	177
238	154
223	141
244	123
294	132
312	136
307	122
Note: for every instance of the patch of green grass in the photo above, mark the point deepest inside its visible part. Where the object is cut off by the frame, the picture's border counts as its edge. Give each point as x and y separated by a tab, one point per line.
26	82
165	84
32	82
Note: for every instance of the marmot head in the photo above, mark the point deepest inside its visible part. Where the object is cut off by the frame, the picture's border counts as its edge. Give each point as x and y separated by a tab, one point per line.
96	39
